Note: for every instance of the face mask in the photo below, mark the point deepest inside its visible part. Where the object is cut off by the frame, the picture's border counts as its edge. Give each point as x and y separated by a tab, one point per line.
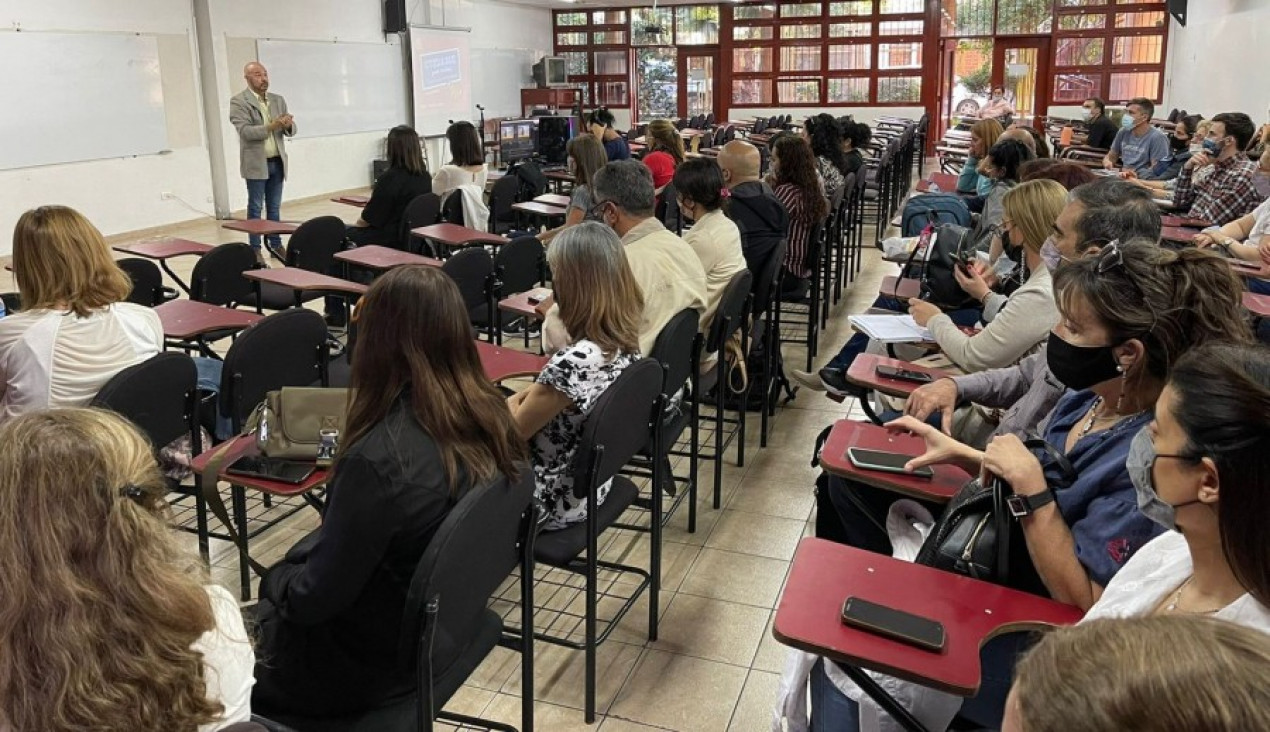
1197	147
1211	146
1050	254
1080	367
1141	466
1128	122
1087	114
1178	144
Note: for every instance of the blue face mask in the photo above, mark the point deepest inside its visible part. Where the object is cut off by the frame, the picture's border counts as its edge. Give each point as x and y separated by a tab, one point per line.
1211	146
1127	121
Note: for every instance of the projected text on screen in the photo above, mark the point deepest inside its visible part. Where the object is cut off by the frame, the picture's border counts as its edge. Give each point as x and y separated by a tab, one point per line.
440	68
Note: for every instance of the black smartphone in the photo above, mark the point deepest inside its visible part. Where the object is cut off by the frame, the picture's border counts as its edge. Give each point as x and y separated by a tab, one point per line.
904	627
283	471
899	374
887	462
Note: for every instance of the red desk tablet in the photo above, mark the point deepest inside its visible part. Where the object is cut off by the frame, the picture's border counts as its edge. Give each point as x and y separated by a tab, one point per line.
505	363
519	304
246	445
1258	305
903	289
1178	234
261	227
358	201
553	199
863	372
454	235
186	319
373	256
847	433
539	209
302	281
163	249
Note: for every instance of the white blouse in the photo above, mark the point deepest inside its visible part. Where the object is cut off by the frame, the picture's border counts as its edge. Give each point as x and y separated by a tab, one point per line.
228	660
450	177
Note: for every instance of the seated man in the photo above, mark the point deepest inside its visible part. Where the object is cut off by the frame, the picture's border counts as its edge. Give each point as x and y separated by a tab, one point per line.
1229	191
755	209
1138	146
668	271
1102	131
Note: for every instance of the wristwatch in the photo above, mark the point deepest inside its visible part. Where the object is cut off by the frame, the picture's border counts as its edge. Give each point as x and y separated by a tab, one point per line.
1020	505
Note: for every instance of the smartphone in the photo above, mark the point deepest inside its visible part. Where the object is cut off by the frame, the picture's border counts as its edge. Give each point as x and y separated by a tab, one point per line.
899	374
904	627
283	471
535	297
887	462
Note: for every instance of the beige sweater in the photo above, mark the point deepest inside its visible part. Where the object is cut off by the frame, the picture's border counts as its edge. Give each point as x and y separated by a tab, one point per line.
717	242
1022	325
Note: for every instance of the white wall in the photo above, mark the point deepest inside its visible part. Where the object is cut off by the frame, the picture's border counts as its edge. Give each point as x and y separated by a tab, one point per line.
1219	61
120	194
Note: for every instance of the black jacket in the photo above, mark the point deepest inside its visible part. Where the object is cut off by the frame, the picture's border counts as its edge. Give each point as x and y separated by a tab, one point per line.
1102	132
762	219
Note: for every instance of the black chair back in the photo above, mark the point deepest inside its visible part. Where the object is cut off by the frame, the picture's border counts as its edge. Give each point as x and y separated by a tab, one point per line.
158	395
501	198
218	279
768	283
471	270
284	349
452	208
519	264
315	243
729	316
423	210
611	435
668	209
147	281
674	347
12	302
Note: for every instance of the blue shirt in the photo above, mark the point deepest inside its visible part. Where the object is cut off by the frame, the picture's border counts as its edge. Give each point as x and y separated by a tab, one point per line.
1141	154
617	149
1100	507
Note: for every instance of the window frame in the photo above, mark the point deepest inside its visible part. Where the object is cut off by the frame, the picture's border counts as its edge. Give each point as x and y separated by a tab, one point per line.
1109	33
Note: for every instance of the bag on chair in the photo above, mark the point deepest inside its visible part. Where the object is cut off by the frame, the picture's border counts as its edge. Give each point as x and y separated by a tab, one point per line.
289	422
949	246
933	208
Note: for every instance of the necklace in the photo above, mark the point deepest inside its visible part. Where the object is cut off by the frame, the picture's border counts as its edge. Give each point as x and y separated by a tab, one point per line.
1177	597
1093	418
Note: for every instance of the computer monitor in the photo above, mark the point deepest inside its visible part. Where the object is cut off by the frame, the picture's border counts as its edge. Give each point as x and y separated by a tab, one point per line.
551	71
517	139
554	134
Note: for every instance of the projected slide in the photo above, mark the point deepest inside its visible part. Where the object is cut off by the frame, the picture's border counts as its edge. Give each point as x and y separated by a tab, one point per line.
442	79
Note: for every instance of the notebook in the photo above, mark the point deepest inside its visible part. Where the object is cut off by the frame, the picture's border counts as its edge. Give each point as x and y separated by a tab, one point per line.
890	328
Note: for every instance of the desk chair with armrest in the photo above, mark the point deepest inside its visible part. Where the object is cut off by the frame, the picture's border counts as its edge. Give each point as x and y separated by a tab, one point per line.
472	269
147	282
501	197
312	248
217	279
767	290
518	266
423	210
715	388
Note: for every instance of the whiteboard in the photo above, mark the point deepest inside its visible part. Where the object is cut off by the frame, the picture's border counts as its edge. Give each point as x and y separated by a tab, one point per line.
79	96
337	88
498	75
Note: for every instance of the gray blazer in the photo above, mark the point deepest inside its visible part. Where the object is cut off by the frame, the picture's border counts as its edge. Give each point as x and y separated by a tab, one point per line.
245	116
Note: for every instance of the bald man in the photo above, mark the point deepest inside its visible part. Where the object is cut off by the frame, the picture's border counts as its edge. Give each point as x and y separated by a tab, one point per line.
263	124
1022	135
755	209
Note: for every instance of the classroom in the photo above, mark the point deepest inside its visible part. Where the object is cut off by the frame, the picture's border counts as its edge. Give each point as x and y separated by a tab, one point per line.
789	365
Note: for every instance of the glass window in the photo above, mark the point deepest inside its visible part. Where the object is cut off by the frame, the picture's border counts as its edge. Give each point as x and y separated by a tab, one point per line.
1137	50
800	58
570	19
850	30
1076	88
800	10
853	90
571	39
651	27
851	57
1080	3
1024	16
806	30
798	91
966	18
576	63
657	76
900	28
613	94
751	60
1140	20
608	17
754	12
899	55
1079	51
1082	21
610	63
902	6
854	7
1136	84
751	91
752	32
893	89
609	38
696	24
1138	2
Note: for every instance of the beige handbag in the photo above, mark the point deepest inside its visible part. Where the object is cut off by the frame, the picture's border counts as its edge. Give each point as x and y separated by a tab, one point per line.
289	422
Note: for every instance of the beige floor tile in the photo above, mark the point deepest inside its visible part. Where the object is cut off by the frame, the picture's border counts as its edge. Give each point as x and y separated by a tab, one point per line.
613	724
771	653
750	533
496	669
548	717
469	700
734	577
560	674
754	710
784	494
676	530
712	629
676	558
680	692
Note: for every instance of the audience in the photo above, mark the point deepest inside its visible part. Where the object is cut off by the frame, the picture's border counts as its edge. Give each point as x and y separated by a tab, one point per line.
1229	192
600	123
1102	131
1180	145
599	302
665	152
585	158
796	183
753	206
1030	138
998	107
1138	146
713	236
825	137
106	623
406	179
983	135
1001	167
1153	674
424	424
855	136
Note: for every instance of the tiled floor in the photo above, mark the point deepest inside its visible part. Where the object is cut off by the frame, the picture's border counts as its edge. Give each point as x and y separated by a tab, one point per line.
715	665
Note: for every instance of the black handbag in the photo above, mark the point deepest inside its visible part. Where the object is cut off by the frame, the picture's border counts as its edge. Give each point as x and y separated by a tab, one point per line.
949	246
977	534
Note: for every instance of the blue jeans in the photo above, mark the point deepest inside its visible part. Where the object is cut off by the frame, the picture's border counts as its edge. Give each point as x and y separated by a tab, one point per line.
209	373
266	193
856	344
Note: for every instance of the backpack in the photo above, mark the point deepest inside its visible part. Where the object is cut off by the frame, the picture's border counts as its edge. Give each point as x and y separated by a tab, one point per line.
532	181
949	246
937	208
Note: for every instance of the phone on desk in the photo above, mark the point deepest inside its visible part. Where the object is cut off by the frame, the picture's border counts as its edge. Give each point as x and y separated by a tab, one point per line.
283	471
899	374
904	627
886	462
536	297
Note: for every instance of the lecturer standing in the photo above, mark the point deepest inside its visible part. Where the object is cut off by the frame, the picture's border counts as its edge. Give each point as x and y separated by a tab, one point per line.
263	123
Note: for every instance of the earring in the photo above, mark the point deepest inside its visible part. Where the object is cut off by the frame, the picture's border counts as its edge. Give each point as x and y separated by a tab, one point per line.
1124	379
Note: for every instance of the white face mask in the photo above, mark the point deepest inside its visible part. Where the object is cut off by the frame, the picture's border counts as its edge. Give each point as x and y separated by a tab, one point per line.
1087	114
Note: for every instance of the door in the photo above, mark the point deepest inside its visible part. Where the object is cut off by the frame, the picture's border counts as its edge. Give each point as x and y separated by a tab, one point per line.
698	92
1021	67
964	77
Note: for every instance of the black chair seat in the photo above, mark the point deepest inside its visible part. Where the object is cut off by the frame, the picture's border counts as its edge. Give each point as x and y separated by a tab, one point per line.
399	714
559	548
277	297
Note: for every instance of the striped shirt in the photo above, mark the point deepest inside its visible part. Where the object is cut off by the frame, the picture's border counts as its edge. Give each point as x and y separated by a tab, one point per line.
800	225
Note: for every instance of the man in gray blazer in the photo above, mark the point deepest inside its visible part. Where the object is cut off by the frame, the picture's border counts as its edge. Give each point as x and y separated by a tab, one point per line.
263	125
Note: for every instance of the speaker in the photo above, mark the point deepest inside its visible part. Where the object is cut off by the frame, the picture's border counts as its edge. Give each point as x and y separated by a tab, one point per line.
553	138
395	16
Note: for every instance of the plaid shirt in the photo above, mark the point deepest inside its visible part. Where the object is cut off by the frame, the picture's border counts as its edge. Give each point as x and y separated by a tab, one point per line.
1227	194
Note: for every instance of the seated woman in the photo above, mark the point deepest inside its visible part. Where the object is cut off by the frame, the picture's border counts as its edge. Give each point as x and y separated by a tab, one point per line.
1246	238
600	124
713	236
1001	167
406	178
825	137
424	425
585	158
465	174
796	183
665	152
600	306
1164	183
1156	674
855	136
983	135
998	107
108	623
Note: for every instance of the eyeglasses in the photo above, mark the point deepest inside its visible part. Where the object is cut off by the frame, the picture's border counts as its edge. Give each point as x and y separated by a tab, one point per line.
1110	257
596	211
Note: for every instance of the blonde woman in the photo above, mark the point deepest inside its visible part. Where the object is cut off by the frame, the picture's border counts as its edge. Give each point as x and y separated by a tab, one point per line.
106	623
601	307
1156	674
1016	325
665	152
983	135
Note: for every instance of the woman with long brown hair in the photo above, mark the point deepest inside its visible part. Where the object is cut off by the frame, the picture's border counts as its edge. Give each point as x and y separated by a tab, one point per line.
424	424
796	182
106	623
585	157
665	152
406	178
601	307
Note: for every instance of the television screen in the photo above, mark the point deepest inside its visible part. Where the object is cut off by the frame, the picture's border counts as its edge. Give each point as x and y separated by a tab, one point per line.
551	71
517	139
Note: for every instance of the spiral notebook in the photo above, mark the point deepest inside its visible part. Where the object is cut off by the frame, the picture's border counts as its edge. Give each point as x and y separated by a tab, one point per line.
890	328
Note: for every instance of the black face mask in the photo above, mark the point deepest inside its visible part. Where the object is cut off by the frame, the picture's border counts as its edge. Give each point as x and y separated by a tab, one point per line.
1080	367
1179	144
